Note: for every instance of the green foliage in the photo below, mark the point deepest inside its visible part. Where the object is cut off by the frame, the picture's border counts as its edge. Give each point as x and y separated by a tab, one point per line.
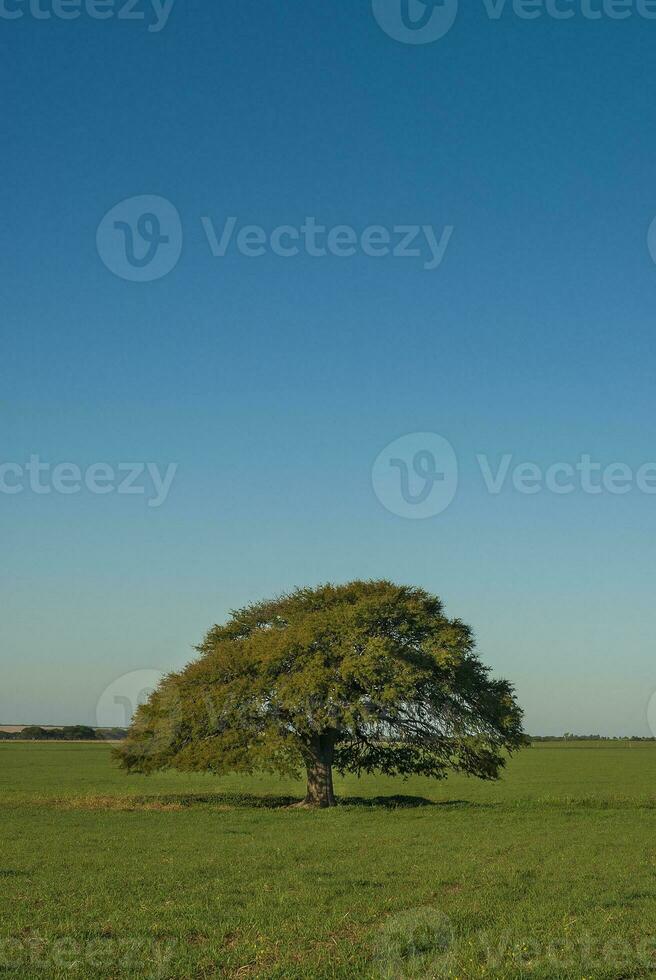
78	732
374	670
34	732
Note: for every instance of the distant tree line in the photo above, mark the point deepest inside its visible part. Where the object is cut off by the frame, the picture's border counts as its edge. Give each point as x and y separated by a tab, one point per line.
69	733
569	737
84	733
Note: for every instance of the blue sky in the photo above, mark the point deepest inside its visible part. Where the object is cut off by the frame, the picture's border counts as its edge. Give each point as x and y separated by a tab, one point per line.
273	383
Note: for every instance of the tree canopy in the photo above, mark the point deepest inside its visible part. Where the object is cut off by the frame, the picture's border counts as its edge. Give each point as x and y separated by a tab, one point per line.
367	676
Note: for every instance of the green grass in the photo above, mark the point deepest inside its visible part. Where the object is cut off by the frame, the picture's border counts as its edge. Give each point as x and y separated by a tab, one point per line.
549	873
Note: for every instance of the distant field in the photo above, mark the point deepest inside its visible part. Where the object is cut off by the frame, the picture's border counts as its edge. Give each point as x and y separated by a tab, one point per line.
549	873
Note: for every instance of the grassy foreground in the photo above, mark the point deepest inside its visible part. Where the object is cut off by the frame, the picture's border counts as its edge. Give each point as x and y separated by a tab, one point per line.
549	873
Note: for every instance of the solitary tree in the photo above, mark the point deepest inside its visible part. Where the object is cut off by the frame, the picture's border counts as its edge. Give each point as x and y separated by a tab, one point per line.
363	677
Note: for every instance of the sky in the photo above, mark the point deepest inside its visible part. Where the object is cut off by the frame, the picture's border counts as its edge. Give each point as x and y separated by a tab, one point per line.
299	406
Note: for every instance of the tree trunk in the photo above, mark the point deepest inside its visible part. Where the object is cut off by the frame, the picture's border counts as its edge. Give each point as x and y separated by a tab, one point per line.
319	762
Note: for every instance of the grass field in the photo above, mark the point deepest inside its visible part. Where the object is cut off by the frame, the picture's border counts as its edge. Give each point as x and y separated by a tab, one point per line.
549	873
